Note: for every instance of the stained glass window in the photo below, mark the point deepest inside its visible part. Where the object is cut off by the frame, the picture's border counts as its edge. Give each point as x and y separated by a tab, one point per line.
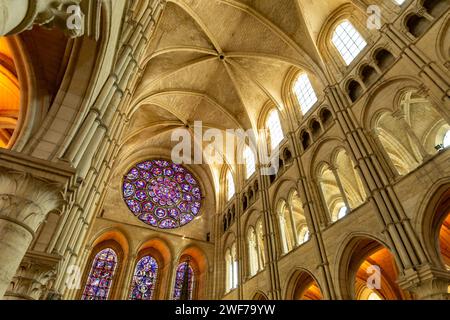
162	194
144	279
100	278
184	276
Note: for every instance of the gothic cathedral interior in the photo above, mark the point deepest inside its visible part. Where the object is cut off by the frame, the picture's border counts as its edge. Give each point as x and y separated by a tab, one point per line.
224	149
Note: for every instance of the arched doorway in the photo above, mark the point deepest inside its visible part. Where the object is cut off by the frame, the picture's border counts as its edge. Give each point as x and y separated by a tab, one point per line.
304	287
443	230
444	244
434	226
444	241
259	296
368	272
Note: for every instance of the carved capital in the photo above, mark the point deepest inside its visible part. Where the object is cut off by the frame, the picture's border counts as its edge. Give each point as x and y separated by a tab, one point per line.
26	200
34	277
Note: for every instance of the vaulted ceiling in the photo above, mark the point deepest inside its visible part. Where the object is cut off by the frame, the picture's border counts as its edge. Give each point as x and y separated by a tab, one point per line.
220	62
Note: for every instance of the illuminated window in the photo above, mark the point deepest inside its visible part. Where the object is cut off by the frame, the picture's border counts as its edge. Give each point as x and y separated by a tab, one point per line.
342	212
305	93
283	232
231	268
234	260
275	131
250	161
260	241
101	276
348	41
162	194
304	235
446	141
230	185
184	282
286	232
374	296
252	251
144	279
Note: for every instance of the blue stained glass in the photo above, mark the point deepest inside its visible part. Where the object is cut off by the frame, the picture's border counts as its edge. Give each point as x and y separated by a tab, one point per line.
168	224
140	184
100	277
186	187
141	195
160	213
148	207
145	175
128	189
144	279
179	281
186	218
168	172
146	165
133	174
174	213
134	206
162	194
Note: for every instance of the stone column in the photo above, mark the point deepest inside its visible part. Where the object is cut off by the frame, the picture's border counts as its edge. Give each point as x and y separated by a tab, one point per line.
417	147
314	219
271	238
25	202
341	188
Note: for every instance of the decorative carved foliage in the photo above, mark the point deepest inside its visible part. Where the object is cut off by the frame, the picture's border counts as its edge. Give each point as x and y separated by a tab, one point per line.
33	279
27	199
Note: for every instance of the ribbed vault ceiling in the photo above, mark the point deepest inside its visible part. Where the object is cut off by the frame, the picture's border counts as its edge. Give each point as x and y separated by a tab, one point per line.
220	62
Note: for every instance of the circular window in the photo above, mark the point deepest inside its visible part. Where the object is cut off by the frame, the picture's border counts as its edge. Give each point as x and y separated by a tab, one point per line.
162	194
